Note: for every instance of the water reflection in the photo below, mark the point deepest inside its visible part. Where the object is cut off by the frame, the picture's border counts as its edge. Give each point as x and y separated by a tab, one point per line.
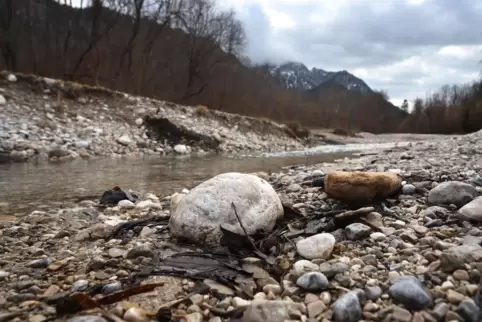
30	184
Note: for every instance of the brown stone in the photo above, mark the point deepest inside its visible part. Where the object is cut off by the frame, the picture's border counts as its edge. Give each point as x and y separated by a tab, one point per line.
361	186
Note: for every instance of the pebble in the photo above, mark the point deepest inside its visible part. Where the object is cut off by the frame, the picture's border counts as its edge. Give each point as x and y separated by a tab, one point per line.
135	314
273	311
101	275
317	246
4	275
315	308
304	266
12	78
195	317
357	231
373	292
141	250
37	318
378	236
408	189
40	263
471	211
111	288
126	204
468	310
87	318
410	292
347	308
454	297
312	281
452	192
80	285
272	288
401	315
116	252
440	310
240	303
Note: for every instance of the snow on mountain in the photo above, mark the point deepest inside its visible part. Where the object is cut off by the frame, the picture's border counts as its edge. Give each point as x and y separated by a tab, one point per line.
297	75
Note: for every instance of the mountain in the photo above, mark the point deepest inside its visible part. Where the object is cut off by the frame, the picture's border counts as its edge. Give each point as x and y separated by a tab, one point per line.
298	76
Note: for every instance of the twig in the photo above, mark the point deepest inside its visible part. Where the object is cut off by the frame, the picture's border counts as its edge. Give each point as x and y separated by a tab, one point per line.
289	240
244	229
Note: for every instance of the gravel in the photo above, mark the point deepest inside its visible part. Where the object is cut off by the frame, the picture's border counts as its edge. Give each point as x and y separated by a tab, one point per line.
419	261
44	119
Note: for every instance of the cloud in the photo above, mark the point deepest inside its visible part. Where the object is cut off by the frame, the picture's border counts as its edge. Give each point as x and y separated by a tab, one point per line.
407	47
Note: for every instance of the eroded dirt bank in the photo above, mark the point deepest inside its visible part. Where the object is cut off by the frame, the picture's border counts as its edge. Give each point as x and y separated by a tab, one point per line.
49	119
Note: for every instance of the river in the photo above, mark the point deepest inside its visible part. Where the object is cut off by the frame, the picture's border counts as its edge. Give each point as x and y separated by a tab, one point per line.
28	186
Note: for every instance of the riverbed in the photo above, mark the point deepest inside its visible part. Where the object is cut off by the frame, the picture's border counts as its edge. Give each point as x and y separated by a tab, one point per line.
28	186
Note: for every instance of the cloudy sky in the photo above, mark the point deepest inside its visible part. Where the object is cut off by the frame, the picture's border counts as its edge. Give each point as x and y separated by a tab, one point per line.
406	47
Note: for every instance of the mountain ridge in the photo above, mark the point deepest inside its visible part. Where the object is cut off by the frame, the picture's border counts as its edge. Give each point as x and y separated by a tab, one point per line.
296	75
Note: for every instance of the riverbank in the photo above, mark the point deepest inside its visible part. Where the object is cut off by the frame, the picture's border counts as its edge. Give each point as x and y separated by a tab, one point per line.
51	119
415	259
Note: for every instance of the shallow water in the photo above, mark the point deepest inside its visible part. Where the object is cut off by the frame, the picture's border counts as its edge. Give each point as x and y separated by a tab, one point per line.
27	186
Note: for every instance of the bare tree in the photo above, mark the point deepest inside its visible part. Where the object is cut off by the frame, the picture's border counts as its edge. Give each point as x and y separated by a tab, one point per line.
7	34
383	94
100	26
207	32
136	6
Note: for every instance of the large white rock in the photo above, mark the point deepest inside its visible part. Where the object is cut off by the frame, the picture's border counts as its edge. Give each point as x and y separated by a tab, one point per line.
199	215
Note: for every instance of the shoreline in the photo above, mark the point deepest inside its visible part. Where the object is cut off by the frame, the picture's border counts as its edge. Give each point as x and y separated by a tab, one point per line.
416	245
415	257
